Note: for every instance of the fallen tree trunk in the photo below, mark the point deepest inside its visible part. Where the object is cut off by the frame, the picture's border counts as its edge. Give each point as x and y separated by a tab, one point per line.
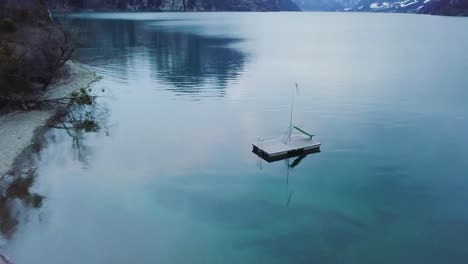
80	97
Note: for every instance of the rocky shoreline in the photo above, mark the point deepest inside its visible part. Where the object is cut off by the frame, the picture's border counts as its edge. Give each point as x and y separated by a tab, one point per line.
18	130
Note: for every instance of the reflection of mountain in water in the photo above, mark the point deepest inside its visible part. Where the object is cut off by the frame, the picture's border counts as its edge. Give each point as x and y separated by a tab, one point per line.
190	61
186	62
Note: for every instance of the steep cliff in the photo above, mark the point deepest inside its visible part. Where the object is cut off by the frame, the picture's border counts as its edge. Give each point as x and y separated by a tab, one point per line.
175	5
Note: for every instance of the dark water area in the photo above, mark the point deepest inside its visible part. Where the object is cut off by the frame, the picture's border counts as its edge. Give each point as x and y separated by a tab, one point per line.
162	171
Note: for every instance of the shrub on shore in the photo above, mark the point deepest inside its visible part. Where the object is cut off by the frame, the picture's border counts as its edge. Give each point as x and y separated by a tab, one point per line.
13	78
7	26
32	49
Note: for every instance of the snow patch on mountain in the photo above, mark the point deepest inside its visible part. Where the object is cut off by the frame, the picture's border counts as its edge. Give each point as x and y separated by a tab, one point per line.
442	7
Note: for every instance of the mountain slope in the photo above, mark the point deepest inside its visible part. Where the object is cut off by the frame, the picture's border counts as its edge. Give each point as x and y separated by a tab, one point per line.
326	5
439	7
446	7
176	5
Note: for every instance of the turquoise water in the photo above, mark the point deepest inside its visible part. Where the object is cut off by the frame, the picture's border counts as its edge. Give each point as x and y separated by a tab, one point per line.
170	178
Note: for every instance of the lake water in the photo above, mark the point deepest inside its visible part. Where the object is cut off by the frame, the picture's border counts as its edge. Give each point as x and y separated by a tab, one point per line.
168	175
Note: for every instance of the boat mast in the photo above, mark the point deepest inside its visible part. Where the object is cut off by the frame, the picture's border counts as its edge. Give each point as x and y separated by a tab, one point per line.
292	114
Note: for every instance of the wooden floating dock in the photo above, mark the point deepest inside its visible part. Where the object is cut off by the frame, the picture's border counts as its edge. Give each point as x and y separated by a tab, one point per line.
276	149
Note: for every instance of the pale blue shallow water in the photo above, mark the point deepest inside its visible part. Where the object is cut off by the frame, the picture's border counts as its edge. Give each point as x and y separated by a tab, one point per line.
171	177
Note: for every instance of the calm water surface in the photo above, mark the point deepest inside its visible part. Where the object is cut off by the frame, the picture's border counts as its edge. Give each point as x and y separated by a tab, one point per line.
170	178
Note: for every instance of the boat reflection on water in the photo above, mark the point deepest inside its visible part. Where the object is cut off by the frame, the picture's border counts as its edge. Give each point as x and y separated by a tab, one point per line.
291	160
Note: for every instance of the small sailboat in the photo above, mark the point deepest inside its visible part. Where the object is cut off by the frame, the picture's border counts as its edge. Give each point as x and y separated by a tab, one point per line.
296	142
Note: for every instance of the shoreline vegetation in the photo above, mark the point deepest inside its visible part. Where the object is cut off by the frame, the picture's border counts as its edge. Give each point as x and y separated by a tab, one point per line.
38	83
33	50
19	129
37	78
21	133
